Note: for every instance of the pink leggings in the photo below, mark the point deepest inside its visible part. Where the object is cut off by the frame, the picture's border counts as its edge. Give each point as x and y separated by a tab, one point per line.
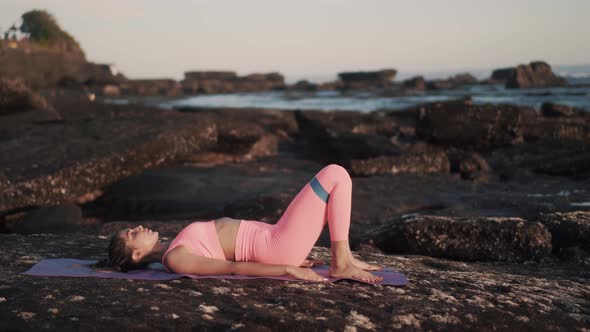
290	240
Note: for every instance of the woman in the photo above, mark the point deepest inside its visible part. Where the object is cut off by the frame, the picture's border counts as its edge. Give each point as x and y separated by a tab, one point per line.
254	248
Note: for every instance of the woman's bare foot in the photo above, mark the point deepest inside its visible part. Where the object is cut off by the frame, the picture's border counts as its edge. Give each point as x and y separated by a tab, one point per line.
365	266
354	272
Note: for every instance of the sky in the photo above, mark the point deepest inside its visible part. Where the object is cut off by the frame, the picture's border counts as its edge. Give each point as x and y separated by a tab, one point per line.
316	39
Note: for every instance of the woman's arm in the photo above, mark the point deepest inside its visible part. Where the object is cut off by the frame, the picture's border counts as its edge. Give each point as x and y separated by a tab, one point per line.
190	263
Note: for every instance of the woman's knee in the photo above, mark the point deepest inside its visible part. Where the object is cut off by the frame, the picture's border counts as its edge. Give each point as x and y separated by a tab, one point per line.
338	172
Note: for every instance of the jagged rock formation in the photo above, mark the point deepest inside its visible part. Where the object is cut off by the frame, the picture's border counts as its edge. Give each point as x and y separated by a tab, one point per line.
15	96
210	82
537	74
367	79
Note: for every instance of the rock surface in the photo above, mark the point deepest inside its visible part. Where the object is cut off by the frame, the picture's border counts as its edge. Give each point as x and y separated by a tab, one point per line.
570	231
367	79
502	239
442	295
16	96
537	74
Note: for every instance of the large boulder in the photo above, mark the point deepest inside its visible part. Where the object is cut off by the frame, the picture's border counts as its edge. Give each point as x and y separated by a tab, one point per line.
562	158
557	110
210	82
415	83
503	74
537	74
41	67
64	218
471	239
570	233
15	96
467	126
471	165
211	75
342	135
367	79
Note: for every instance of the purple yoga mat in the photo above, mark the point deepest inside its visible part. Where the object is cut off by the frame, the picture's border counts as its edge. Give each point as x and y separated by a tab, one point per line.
68	267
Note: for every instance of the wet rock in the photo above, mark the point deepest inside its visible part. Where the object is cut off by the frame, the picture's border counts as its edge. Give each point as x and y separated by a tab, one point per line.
304	85
415	83
501	239
52	219
440	85
15	96
557	110
503	74
570	232
537	74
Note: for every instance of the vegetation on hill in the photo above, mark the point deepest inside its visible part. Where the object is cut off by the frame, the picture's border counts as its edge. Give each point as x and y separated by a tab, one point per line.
43	28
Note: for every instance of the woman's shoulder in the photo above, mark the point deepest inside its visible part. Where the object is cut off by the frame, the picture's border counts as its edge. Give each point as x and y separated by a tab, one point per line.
178	252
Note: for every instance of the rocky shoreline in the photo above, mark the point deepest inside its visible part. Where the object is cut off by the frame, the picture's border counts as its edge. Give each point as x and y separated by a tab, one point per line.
497	189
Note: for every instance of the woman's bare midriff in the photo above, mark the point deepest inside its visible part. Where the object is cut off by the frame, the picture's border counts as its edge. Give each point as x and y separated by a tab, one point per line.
227	231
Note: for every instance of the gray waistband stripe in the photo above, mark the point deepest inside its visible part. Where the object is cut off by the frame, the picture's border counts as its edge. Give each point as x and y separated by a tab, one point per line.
319	190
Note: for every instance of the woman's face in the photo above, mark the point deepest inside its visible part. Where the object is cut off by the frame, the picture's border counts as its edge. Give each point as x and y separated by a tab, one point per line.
139	240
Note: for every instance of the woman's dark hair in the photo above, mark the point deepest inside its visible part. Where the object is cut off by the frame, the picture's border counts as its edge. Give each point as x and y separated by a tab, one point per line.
119	257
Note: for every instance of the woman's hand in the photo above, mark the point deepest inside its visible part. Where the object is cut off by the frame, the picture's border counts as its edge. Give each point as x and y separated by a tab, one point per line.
305	274
313	262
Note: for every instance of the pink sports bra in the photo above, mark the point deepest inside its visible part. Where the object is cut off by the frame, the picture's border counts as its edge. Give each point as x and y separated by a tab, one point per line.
200	237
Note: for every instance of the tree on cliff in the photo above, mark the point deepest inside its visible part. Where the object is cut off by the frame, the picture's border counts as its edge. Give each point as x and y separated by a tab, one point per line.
42	28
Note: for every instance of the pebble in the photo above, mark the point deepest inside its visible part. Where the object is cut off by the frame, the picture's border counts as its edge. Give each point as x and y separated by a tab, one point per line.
2	299
53	311
142	290
155	308
356	319
175	316
76	298
207	317
208	309
221	290
26	315
163	286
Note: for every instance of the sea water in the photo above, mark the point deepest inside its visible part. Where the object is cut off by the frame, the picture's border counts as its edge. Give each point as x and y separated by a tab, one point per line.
576	96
